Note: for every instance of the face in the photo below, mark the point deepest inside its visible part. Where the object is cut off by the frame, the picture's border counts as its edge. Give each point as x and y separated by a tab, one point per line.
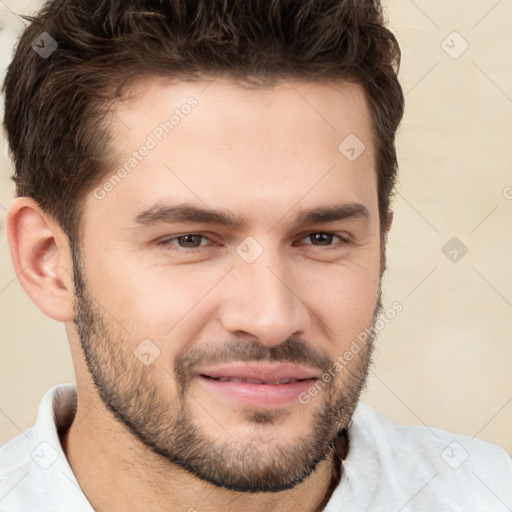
224	274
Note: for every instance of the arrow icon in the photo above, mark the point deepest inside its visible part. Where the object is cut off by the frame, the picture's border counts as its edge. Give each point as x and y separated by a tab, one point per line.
44	45
249	249
44	455
351	147
146	352
454	455
454	45
454	249
40	454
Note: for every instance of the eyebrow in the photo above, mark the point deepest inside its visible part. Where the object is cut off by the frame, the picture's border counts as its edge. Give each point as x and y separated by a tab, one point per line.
167	213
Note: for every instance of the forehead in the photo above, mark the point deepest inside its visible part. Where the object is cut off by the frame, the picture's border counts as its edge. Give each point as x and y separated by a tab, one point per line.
289	108
216	142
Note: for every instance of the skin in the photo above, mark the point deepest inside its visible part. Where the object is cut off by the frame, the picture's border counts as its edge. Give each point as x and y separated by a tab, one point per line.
264	154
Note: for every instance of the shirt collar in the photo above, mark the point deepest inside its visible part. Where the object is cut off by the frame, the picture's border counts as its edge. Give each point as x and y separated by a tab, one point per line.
55	414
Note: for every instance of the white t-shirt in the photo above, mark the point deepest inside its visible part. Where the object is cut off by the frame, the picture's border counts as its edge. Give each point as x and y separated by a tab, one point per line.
388	468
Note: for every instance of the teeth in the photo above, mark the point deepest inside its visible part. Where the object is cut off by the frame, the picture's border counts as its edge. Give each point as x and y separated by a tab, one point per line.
282	381
254	381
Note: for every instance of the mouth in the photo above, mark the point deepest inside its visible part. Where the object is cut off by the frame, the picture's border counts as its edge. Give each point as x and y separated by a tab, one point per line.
258	385
254	381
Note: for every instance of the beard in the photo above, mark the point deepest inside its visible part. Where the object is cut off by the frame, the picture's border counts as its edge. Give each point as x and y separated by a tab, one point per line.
139	398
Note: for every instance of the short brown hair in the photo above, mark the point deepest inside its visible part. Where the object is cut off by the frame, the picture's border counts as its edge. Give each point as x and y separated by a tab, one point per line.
55	106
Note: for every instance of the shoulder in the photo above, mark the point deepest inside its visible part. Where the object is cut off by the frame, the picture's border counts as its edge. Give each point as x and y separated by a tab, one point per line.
32	464
423	468
18	480
447	448
452	450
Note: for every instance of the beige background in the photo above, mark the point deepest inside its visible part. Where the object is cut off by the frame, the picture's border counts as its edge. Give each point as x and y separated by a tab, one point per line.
445	360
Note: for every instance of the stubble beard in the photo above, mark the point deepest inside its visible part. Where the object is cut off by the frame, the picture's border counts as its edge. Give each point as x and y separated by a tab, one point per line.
138	398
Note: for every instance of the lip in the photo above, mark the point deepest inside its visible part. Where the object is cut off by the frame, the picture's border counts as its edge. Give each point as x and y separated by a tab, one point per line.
260	394
260	371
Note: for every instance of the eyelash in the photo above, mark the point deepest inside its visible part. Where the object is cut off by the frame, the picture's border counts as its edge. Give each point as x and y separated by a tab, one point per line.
168	242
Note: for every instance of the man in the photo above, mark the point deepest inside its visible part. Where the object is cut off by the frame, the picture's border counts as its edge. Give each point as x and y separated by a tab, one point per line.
203	200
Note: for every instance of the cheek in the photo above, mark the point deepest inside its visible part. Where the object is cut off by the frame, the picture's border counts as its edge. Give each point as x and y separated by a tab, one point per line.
130	282
166	305
174	302
344	297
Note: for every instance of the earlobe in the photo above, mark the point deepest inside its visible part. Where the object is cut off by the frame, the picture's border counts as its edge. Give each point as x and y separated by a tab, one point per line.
386	226
41	259
389	221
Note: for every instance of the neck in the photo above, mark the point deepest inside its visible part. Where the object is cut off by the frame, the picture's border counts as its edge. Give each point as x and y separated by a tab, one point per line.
118	473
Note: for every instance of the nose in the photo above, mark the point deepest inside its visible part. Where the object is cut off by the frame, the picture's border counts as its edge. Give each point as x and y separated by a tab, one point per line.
262	300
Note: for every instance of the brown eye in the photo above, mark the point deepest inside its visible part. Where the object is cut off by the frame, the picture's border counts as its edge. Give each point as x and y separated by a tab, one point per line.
321	239
186	241
189	240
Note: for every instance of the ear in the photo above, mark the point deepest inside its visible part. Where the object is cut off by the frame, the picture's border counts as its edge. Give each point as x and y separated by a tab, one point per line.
386	226
388	222
41	258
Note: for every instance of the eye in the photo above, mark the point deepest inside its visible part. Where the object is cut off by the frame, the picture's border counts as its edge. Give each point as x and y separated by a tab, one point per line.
192	242
321	239
186	241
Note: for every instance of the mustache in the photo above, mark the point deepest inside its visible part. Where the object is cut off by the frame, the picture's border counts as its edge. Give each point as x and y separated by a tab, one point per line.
293	350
